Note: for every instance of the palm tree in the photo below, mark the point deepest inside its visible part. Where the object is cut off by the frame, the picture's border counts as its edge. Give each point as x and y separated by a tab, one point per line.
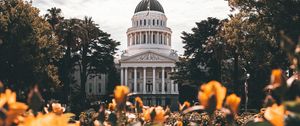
54	17
90	32
68	32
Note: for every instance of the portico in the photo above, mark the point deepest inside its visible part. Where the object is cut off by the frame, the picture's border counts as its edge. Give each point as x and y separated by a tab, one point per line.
147	63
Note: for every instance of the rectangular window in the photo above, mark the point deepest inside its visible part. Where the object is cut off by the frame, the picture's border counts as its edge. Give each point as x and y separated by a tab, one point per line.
160	75
138	75
132	75
158	101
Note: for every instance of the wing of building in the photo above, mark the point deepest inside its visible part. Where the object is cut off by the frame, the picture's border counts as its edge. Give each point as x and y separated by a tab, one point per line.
147	62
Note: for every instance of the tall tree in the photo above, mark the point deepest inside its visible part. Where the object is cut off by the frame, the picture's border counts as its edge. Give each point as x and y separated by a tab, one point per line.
95	52
54	17
27	51
254	33
200	62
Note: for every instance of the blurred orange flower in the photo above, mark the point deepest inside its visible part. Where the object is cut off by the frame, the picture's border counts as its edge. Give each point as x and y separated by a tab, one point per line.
208	90
233	102
57	108
14	108
139	101
49	119
120	94
275	115
112	106
276	77
156	114
179	123
186	104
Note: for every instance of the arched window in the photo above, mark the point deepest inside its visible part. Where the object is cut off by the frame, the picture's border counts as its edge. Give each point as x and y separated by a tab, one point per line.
145	23
161	23
153	22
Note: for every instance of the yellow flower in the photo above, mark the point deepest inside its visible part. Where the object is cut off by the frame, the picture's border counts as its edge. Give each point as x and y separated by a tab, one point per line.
156	114
233	102
120	94
57	108
179	123
276	77
139	101
186	104
49	119
275	115
112	106
14	108
208	90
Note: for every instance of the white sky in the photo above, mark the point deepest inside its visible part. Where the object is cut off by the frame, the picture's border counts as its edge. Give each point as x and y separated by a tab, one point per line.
114	16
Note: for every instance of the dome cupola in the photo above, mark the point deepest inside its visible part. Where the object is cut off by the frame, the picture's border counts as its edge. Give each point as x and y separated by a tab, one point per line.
153	4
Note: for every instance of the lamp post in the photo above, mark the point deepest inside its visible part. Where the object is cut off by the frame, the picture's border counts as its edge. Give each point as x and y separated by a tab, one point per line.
246	91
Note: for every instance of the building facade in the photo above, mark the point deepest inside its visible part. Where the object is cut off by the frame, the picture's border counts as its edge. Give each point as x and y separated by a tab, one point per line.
146	64
96	85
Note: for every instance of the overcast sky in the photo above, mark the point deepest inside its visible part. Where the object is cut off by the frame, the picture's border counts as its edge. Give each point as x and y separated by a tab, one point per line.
114	16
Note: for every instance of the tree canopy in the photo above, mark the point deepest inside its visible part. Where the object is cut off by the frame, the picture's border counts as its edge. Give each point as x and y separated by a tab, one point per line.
27	50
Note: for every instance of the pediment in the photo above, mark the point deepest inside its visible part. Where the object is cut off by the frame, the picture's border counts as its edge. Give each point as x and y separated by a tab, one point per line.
148	57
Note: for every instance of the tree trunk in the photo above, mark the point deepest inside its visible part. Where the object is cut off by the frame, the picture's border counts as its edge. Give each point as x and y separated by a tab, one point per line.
83	74
236	71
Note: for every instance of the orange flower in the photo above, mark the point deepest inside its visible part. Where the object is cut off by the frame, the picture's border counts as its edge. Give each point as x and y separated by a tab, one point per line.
112	106
276	77
14	108
120	94
208	90
233	102
139	101
275	115
57	108
49	119
179	123
156	114
185	104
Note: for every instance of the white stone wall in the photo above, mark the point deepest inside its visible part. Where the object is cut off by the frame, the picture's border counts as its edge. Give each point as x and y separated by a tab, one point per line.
95	85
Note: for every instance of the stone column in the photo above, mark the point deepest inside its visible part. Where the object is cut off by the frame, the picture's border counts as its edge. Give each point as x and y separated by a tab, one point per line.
172	82
140	38
135	39
157	37
126	78
122	82
146	38
153	84
144	84
163	79
135	81
151	37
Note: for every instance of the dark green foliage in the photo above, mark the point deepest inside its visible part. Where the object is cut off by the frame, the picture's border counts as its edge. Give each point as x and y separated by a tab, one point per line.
27	48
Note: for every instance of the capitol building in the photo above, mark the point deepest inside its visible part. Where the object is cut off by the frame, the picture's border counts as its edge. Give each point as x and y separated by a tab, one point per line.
148	60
